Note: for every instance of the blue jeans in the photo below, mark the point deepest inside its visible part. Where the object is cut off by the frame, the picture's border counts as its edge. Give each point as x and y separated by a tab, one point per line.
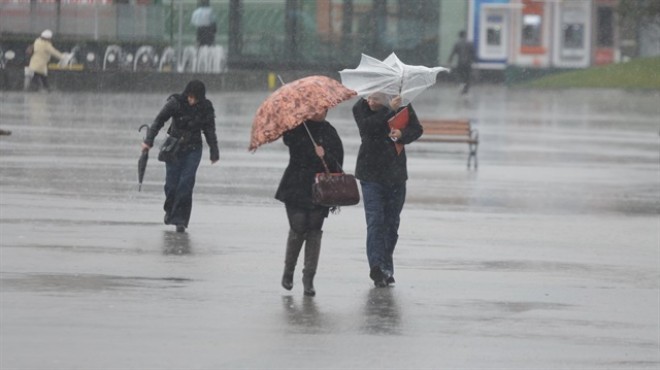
179	184
382	208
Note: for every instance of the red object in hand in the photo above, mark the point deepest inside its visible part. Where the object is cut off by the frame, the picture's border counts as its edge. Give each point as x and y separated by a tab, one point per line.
399	122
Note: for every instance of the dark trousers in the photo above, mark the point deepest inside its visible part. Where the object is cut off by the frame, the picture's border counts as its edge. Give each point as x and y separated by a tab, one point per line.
39	80
206	35
179	184
464	72
382	208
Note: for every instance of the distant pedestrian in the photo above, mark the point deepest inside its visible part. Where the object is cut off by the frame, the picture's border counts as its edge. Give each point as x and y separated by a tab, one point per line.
295	191
464	51
192	114
383	173
204	19
42	51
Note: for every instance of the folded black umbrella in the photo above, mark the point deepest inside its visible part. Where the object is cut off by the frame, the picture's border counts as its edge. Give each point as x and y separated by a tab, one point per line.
142	162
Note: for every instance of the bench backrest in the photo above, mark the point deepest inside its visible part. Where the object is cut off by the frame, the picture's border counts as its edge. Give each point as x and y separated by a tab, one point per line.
455	127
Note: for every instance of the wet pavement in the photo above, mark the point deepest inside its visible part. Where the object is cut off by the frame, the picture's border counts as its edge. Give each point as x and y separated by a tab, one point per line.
547	257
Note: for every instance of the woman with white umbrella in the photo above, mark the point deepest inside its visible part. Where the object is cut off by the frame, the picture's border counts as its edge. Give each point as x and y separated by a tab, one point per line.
381	163
382	172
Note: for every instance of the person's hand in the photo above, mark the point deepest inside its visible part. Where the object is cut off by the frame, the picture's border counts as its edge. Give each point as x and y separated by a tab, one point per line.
145	147
395	135
319	151
395	103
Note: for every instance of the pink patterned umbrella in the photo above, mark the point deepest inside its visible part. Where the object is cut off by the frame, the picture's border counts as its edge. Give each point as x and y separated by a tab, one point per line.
292	104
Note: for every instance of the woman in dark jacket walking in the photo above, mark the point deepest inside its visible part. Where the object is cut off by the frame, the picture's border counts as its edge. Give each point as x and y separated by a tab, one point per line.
295	190
192	114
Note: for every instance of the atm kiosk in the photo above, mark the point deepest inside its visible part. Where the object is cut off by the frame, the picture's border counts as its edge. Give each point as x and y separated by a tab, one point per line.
605	37
490	23
531	34
572	34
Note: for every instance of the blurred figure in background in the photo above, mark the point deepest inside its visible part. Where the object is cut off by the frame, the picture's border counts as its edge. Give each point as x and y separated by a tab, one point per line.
464	51
204	19
42	51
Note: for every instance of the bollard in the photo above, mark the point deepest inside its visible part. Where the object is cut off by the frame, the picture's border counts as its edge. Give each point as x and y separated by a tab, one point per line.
272	80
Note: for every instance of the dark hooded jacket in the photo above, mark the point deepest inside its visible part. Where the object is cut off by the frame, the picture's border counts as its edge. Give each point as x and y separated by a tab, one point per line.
377	159
296	184
188	122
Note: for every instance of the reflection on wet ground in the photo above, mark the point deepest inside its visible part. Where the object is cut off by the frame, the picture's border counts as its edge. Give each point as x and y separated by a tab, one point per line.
640	277
176	243
546	257
382	312
303	314
81	283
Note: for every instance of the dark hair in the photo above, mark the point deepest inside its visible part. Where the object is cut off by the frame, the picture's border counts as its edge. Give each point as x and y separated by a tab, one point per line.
461	34
195	88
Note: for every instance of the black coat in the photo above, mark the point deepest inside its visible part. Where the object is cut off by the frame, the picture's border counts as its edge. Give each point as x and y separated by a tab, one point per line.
296	184
188	122
377	159
464	50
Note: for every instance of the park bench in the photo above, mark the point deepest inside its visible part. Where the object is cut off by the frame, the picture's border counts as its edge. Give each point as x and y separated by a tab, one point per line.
452	131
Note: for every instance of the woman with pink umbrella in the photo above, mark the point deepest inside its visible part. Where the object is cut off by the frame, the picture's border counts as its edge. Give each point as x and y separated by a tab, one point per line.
297	113
295	191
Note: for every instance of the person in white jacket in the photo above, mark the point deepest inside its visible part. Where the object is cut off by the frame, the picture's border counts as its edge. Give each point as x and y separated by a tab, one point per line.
204	19
42	51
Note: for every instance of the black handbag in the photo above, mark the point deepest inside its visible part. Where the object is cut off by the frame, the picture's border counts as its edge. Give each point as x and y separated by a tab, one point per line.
169	149
333	189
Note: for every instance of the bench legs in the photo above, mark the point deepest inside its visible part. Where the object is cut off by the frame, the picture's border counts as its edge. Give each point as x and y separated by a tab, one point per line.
473	154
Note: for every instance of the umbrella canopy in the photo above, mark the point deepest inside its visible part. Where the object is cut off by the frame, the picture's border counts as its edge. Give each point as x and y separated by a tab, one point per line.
390	76
142	162
292	104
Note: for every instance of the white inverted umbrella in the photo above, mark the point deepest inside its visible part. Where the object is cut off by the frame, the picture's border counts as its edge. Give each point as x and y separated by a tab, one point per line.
390	76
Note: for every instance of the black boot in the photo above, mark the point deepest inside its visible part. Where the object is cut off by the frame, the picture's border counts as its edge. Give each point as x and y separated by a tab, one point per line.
312	252
293	246
378	276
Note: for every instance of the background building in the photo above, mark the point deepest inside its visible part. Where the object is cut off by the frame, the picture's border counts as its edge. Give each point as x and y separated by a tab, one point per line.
329	35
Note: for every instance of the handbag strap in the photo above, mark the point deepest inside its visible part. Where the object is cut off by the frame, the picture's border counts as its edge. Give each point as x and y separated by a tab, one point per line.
325	165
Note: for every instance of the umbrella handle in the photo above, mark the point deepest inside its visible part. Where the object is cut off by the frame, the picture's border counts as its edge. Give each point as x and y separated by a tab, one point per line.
325	165
143	126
